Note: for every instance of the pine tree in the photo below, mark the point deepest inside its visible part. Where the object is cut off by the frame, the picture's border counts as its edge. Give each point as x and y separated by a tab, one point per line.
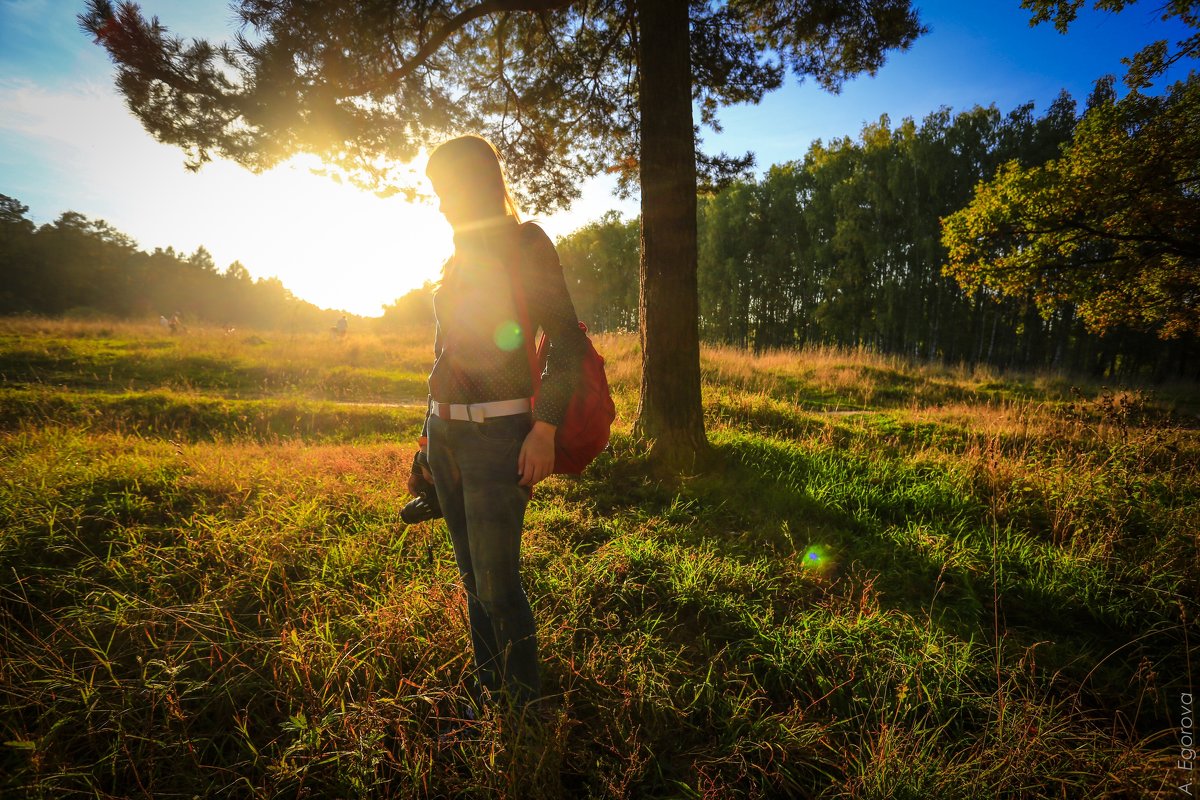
564	88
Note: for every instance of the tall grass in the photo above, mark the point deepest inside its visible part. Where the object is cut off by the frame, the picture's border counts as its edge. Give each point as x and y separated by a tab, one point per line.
973	585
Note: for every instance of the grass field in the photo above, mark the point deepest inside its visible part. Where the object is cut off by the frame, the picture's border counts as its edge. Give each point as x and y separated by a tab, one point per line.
896	581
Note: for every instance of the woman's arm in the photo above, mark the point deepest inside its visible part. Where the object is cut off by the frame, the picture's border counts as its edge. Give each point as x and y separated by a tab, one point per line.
437	353
550	305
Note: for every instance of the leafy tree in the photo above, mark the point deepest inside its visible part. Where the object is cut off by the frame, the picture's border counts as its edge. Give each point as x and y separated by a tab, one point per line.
565	88
413	309
12	212
81	263
600	262
18	269
237	273
730	235
844	247
786	285
1112	226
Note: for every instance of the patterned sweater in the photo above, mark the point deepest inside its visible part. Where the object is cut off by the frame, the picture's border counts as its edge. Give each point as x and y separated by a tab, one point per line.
480	348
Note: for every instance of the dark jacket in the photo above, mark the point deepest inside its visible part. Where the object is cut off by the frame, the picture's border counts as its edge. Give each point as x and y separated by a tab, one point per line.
480	347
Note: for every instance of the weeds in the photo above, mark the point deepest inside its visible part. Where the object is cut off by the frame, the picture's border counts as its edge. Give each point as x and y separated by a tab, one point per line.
973	585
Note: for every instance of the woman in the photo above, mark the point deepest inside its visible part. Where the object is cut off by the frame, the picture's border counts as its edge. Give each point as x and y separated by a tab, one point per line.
487	443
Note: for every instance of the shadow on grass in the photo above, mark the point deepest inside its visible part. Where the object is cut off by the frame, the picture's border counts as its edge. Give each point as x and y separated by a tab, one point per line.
910	535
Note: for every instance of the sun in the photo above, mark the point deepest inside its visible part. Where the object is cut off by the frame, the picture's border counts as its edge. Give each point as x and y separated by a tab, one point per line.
332	243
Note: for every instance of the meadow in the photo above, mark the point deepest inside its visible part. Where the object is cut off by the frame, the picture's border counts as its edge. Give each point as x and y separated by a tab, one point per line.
895	580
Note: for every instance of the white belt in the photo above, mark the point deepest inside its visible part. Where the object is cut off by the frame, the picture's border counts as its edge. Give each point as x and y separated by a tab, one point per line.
478	412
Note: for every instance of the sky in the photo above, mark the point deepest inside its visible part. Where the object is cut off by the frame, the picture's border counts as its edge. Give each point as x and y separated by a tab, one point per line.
67	142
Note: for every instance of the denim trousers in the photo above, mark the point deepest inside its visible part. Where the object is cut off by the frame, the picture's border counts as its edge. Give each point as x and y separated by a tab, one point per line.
474	467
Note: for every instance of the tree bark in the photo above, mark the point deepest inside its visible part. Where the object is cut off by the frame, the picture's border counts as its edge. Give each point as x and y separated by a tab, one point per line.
669	411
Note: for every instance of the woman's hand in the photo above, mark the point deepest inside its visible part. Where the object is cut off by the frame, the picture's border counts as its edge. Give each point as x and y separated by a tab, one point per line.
536	460
420	479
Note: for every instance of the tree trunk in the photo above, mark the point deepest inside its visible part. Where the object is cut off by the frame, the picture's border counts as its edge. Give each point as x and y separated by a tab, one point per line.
992	341
669	412
933	331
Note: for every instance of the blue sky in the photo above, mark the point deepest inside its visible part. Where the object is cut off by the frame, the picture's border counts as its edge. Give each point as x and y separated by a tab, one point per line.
977	52
67	142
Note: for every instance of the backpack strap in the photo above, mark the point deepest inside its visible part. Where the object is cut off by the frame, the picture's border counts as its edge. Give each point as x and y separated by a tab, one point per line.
512	255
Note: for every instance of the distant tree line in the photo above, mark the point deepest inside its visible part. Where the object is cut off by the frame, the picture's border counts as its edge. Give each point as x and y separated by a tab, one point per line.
414	309
845	247
78	266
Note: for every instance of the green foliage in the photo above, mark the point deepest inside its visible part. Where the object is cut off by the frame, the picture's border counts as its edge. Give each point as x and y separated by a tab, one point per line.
205	601
413	310
1109	226
841	247
845	247
600	264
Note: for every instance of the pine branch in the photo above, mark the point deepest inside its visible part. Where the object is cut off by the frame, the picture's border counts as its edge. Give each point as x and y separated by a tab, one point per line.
456	23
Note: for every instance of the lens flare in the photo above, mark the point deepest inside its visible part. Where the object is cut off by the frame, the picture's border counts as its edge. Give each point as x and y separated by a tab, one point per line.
507	336
816	559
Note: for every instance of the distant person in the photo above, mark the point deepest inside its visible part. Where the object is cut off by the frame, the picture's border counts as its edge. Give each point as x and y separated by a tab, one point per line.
163	322
176	324
339	330
486	447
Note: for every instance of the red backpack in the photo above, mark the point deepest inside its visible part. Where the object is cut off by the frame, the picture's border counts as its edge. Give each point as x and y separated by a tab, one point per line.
585	428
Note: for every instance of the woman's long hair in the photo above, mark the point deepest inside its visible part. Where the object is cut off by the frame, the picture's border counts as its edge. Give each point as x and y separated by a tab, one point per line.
470	165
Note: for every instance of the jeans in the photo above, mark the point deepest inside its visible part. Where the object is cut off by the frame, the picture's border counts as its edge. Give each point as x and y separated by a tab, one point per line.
474	467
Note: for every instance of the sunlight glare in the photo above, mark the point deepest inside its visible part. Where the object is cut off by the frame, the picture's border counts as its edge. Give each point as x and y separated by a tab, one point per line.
335	244
330	243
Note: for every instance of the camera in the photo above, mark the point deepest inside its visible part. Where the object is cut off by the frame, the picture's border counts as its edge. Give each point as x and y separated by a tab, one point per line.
421	508
424	506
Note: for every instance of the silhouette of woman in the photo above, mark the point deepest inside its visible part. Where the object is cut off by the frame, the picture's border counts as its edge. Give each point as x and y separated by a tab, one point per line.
487	445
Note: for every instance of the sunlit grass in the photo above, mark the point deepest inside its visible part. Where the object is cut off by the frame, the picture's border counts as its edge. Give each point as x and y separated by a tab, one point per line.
363	366
973	584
